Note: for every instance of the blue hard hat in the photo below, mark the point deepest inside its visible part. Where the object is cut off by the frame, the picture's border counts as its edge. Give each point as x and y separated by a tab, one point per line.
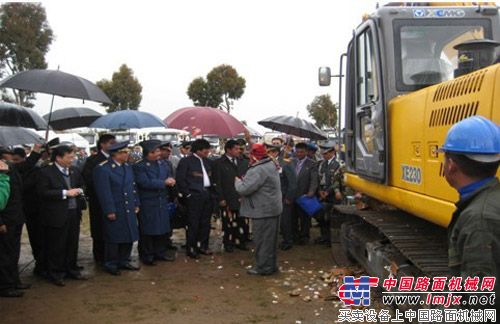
476	137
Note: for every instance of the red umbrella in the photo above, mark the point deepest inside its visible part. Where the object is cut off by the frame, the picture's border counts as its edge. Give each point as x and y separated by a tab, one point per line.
205	121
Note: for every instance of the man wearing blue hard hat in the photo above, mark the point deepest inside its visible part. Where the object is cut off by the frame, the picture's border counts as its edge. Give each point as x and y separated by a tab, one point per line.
472	157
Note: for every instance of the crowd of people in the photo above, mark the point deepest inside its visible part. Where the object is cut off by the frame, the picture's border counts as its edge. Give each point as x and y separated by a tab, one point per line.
142	193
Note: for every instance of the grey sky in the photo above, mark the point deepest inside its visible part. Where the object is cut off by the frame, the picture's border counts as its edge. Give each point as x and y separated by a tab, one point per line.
277	46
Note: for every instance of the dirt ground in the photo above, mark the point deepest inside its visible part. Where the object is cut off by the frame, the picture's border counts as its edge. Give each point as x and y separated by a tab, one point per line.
210	290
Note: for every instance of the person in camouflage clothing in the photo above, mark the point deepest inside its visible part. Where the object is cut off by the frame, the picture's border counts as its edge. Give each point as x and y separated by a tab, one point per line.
329	193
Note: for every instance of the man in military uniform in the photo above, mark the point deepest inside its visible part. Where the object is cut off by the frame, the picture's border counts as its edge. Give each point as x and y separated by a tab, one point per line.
116	189
471	160
153	180
329	192
95	212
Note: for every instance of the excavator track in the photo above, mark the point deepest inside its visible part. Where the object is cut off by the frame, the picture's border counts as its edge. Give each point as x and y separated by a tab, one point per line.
424	244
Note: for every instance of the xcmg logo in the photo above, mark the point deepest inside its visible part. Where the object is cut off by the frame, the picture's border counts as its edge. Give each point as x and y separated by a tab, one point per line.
356	291
438	13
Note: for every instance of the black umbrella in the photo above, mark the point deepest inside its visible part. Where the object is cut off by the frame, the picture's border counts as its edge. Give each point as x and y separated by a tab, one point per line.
18	136
14	115
55	82
72	117
294	126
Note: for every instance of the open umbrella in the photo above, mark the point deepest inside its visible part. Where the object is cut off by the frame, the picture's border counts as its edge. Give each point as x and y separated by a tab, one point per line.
205	121
55	82
14	115
18	136
126	119
294	126
72	117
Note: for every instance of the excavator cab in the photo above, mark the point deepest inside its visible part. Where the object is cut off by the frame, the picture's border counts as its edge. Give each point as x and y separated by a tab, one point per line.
397	50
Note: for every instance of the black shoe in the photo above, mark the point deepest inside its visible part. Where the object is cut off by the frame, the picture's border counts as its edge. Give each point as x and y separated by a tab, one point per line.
130	267
255	272
206	252
58	282
321	240
302	242
114	272
167	258
76	276
242	247
228	248
11	293
285	247
23	286
148	262
172	248
193	255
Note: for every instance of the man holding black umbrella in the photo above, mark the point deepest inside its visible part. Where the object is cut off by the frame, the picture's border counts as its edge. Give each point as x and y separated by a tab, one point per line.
95	211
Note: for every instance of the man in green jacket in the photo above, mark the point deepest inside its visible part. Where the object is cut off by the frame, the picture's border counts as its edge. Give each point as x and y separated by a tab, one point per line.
472	157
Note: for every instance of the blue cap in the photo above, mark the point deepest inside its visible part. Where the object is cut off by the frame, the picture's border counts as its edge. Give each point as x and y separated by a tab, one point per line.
312	147
118	146
150	145
475	137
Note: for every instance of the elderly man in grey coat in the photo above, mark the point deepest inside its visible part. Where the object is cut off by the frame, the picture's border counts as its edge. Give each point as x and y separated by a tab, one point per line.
262	202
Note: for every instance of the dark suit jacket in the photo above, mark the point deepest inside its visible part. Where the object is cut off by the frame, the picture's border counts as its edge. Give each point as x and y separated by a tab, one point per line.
224	173
88	171
307	179
190	175
13	213
50	186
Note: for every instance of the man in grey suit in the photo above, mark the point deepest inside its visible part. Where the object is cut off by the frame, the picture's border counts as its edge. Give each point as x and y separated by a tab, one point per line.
307	184
261	201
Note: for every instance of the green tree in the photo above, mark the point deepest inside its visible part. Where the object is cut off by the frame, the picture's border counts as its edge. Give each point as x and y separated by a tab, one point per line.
222	86
124	90
25	38
201	95
323	111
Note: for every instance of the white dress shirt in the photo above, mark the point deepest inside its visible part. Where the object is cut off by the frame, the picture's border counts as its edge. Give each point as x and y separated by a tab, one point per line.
206	179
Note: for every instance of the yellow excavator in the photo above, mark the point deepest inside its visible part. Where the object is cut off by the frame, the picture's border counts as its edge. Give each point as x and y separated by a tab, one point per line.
412	70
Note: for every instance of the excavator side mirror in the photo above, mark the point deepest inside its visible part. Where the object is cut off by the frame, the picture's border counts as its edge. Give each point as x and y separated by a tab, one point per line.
324	76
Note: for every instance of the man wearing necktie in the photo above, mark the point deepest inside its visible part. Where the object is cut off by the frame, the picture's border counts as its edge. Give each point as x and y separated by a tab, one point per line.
307	184
226	168
60	188
194	184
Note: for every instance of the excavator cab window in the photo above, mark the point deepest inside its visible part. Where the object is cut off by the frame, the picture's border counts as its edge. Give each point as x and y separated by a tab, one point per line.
424	49
366	73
